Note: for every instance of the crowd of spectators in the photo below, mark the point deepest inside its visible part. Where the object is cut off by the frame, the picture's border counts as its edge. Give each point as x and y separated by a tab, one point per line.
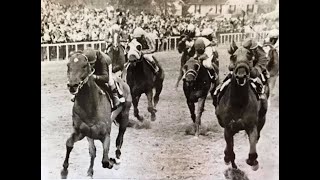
66	23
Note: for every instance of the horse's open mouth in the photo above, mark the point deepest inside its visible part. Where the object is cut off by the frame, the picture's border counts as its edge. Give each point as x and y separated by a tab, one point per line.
73	88
241	81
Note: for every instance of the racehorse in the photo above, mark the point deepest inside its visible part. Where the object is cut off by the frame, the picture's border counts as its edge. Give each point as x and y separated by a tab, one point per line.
273	67
142	79
186	54
196	85
239	108
91	113
116	53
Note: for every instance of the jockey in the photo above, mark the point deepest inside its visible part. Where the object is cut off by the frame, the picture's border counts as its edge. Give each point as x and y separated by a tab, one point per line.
148	44
259	72
103	73
190	33
208	33
205	53
113	29
273	39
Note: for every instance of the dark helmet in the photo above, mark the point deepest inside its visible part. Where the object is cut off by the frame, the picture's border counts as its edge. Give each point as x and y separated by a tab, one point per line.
199	45
91	55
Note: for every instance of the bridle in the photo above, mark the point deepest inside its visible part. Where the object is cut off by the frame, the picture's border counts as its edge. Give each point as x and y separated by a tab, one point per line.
83	82
193	72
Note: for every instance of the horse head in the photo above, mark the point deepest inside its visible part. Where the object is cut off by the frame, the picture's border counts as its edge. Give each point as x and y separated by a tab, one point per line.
182	44
116	41
242	58
134	52
191	71
78	72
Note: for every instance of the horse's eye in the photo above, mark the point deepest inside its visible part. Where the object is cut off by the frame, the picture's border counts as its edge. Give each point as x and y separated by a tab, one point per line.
85	66
138	48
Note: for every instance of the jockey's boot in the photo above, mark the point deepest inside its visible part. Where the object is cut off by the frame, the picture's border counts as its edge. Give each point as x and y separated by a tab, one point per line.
117	98
153	63
260	89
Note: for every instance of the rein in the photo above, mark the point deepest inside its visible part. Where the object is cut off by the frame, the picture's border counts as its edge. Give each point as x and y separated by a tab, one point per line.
83	83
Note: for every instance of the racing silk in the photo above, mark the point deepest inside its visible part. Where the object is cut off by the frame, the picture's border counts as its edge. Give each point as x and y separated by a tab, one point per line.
208	54
101	67
150	45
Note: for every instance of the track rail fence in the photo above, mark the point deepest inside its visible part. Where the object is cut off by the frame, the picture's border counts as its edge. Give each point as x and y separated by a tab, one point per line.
53	52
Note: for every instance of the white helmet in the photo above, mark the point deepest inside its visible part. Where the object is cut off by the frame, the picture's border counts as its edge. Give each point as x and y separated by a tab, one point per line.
115	27
274	33
206	32
138	32
191	27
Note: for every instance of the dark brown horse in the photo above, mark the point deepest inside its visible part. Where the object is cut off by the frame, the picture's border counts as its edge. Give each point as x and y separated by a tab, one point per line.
240	109
116	53
273	67
196	85
91	113
186	54
141	78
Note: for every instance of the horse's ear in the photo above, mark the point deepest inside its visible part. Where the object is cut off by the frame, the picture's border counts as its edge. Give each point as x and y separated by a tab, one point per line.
184	68
233	47
71	53
196	67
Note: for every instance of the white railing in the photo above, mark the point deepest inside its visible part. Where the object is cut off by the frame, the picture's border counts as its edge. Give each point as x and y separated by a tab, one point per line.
50	52
61	51
227	38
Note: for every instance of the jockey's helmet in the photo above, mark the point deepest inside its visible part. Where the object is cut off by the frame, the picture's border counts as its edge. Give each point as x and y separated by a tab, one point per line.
199	45
250	43
191	28
138	32
274	33
91	55
206	32
115	28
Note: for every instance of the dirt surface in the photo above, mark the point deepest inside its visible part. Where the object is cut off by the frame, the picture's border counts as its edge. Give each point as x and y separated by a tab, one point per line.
162	152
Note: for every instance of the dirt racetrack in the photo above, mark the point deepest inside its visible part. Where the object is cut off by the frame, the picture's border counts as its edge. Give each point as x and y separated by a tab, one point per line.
162	152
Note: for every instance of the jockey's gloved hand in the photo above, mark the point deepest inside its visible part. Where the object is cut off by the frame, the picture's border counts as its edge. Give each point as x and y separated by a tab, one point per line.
203	57
254	73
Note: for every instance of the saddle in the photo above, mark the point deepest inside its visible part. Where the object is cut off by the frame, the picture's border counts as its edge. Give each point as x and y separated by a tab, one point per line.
254	84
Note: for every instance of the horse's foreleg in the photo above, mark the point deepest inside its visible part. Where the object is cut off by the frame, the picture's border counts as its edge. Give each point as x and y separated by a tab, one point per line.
179	78
135	101
92	152
272	83
253	139
150	105
159	87
192	108
122	129
201	102
69	144
106	162
228	152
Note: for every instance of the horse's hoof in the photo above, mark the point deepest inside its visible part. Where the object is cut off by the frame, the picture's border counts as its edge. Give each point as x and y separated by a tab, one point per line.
116	166
118	161
255	167
140	118
64	174
118	154
90	173
227	163
153	117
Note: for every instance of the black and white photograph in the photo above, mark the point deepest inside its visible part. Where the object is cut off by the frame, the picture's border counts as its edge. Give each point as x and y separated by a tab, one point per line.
160	89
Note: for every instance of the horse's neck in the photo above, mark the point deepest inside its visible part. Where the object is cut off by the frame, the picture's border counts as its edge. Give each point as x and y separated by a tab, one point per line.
88	97
239	95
